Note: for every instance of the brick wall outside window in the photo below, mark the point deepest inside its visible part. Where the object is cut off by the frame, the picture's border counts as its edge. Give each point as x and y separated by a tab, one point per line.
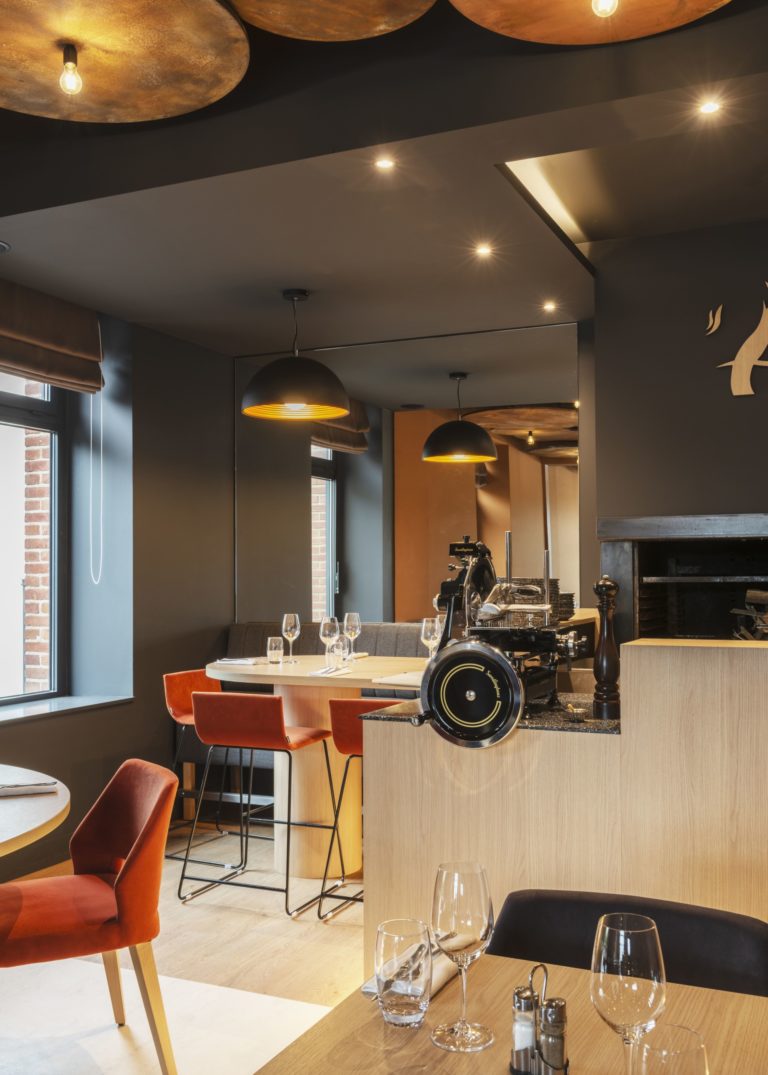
319	548
37	537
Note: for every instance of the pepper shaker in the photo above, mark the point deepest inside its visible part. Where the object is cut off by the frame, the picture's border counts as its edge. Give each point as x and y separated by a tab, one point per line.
551	1038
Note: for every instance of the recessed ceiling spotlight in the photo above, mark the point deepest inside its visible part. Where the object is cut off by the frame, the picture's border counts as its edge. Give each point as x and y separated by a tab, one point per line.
708	108
549	306
483	250
385	164
5	248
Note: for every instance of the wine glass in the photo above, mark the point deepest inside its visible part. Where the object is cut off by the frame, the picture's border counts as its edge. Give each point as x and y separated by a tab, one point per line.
462	923
329	632
291	631
352	629
628	983
431	633
672	1050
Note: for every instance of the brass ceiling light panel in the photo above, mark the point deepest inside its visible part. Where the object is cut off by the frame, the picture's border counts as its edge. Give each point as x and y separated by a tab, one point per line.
119	61
580	22
331	20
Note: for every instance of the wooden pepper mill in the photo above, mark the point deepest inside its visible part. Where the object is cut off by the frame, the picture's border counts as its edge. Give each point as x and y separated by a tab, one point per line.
607	703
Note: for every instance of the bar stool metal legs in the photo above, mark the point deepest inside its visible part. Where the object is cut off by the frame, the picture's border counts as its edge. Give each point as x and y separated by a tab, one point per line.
181	794
332	892
247	819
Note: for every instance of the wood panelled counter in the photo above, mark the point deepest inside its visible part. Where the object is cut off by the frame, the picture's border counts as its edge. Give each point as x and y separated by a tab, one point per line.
674	807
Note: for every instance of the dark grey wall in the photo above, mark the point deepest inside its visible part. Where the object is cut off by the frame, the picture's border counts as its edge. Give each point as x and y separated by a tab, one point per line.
182	572
671	438
274	570
364	529
589	548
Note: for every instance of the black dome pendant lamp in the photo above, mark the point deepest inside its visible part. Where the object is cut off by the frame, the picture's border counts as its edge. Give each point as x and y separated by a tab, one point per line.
295	388
459	441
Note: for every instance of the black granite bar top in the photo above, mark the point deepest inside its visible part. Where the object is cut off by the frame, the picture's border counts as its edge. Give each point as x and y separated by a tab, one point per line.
557	719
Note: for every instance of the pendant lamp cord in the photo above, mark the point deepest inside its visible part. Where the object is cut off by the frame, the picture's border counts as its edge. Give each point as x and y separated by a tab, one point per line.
458	398
294	302
96	575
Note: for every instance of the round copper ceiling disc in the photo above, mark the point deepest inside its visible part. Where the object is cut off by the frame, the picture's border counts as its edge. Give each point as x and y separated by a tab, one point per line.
138	59
573	22
331	20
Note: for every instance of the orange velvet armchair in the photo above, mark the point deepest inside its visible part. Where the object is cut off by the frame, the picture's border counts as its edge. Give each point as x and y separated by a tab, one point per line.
110	902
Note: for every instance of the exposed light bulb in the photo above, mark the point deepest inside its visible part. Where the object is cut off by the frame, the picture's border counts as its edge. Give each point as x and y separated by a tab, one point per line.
605	8
576	404
708	108
295	406
70	81
483	250
530	440
385	164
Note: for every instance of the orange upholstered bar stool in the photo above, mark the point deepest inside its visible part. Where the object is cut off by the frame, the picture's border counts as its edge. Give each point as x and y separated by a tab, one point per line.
111	900
248	722
178	688
347	732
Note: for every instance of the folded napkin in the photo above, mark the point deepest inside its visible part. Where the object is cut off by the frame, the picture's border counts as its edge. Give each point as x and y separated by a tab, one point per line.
402	679
327	672
443	970
42	788
357	656
241	660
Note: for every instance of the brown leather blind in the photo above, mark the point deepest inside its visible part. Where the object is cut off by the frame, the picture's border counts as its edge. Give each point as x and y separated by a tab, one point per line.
346	434
47	339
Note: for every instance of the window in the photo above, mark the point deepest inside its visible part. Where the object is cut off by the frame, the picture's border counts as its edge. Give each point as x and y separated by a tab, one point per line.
30	425
323	500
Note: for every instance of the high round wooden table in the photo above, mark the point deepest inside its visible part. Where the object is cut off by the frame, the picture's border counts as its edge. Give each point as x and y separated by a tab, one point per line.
27	818
305	702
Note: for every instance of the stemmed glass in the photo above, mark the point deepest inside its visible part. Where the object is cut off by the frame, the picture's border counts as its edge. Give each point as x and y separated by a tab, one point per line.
329	632
291	631
628	984
672	1050
431	633
462	924
352	629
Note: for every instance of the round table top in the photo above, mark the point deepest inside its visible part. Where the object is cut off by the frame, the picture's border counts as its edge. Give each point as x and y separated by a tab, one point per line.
26	818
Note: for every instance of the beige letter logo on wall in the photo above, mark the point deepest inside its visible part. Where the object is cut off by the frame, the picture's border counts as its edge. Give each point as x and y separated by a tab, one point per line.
749	355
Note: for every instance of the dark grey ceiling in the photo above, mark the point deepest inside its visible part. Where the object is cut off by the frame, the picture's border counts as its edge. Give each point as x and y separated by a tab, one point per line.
386	256
685	171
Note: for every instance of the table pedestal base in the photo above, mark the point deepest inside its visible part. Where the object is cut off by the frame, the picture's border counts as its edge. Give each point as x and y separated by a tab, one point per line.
308	707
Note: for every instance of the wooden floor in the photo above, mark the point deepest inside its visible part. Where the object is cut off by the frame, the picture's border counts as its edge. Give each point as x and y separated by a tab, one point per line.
242	938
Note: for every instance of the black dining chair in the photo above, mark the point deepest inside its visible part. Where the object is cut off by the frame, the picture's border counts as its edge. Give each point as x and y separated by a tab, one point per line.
701	946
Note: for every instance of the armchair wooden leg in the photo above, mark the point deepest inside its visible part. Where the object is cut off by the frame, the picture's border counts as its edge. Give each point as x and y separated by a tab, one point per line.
112	967
146	974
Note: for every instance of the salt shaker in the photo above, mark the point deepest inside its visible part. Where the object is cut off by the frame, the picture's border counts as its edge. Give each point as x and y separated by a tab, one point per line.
551	1040
525	1003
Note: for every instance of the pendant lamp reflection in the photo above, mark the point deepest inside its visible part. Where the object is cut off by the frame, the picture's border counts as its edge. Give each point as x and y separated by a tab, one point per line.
459	441
294	388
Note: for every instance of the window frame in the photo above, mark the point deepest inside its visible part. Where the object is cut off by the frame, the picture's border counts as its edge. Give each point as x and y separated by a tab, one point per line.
49	416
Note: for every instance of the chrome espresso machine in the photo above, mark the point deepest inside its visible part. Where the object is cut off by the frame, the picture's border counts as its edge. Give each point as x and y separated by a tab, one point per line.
500	650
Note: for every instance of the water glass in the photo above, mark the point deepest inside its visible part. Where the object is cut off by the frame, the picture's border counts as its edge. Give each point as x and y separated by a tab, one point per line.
671	1050
628	983
291	630
274	651
403	971
339	654
352	629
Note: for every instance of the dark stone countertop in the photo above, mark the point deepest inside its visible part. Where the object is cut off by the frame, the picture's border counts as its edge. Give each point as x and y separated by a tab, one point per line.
545	720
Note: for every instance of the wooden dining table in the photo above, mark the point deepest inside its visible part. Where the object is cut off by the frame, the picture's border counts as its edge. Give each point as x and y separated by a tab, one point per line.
354	1038
305	696
27	818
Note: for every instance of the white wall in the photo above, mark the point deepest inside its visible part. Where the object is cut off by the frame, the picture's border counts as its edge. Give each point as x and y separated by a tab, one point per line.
11	558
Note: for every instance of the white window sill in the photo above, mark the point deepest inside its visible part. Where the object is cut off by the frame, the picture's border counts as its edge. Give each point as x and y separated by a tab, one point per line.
49	707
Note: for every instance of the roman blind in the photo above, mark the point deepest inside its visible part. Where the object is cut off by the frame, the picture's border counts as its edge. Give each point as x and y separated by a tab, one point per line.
346	434
47	339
